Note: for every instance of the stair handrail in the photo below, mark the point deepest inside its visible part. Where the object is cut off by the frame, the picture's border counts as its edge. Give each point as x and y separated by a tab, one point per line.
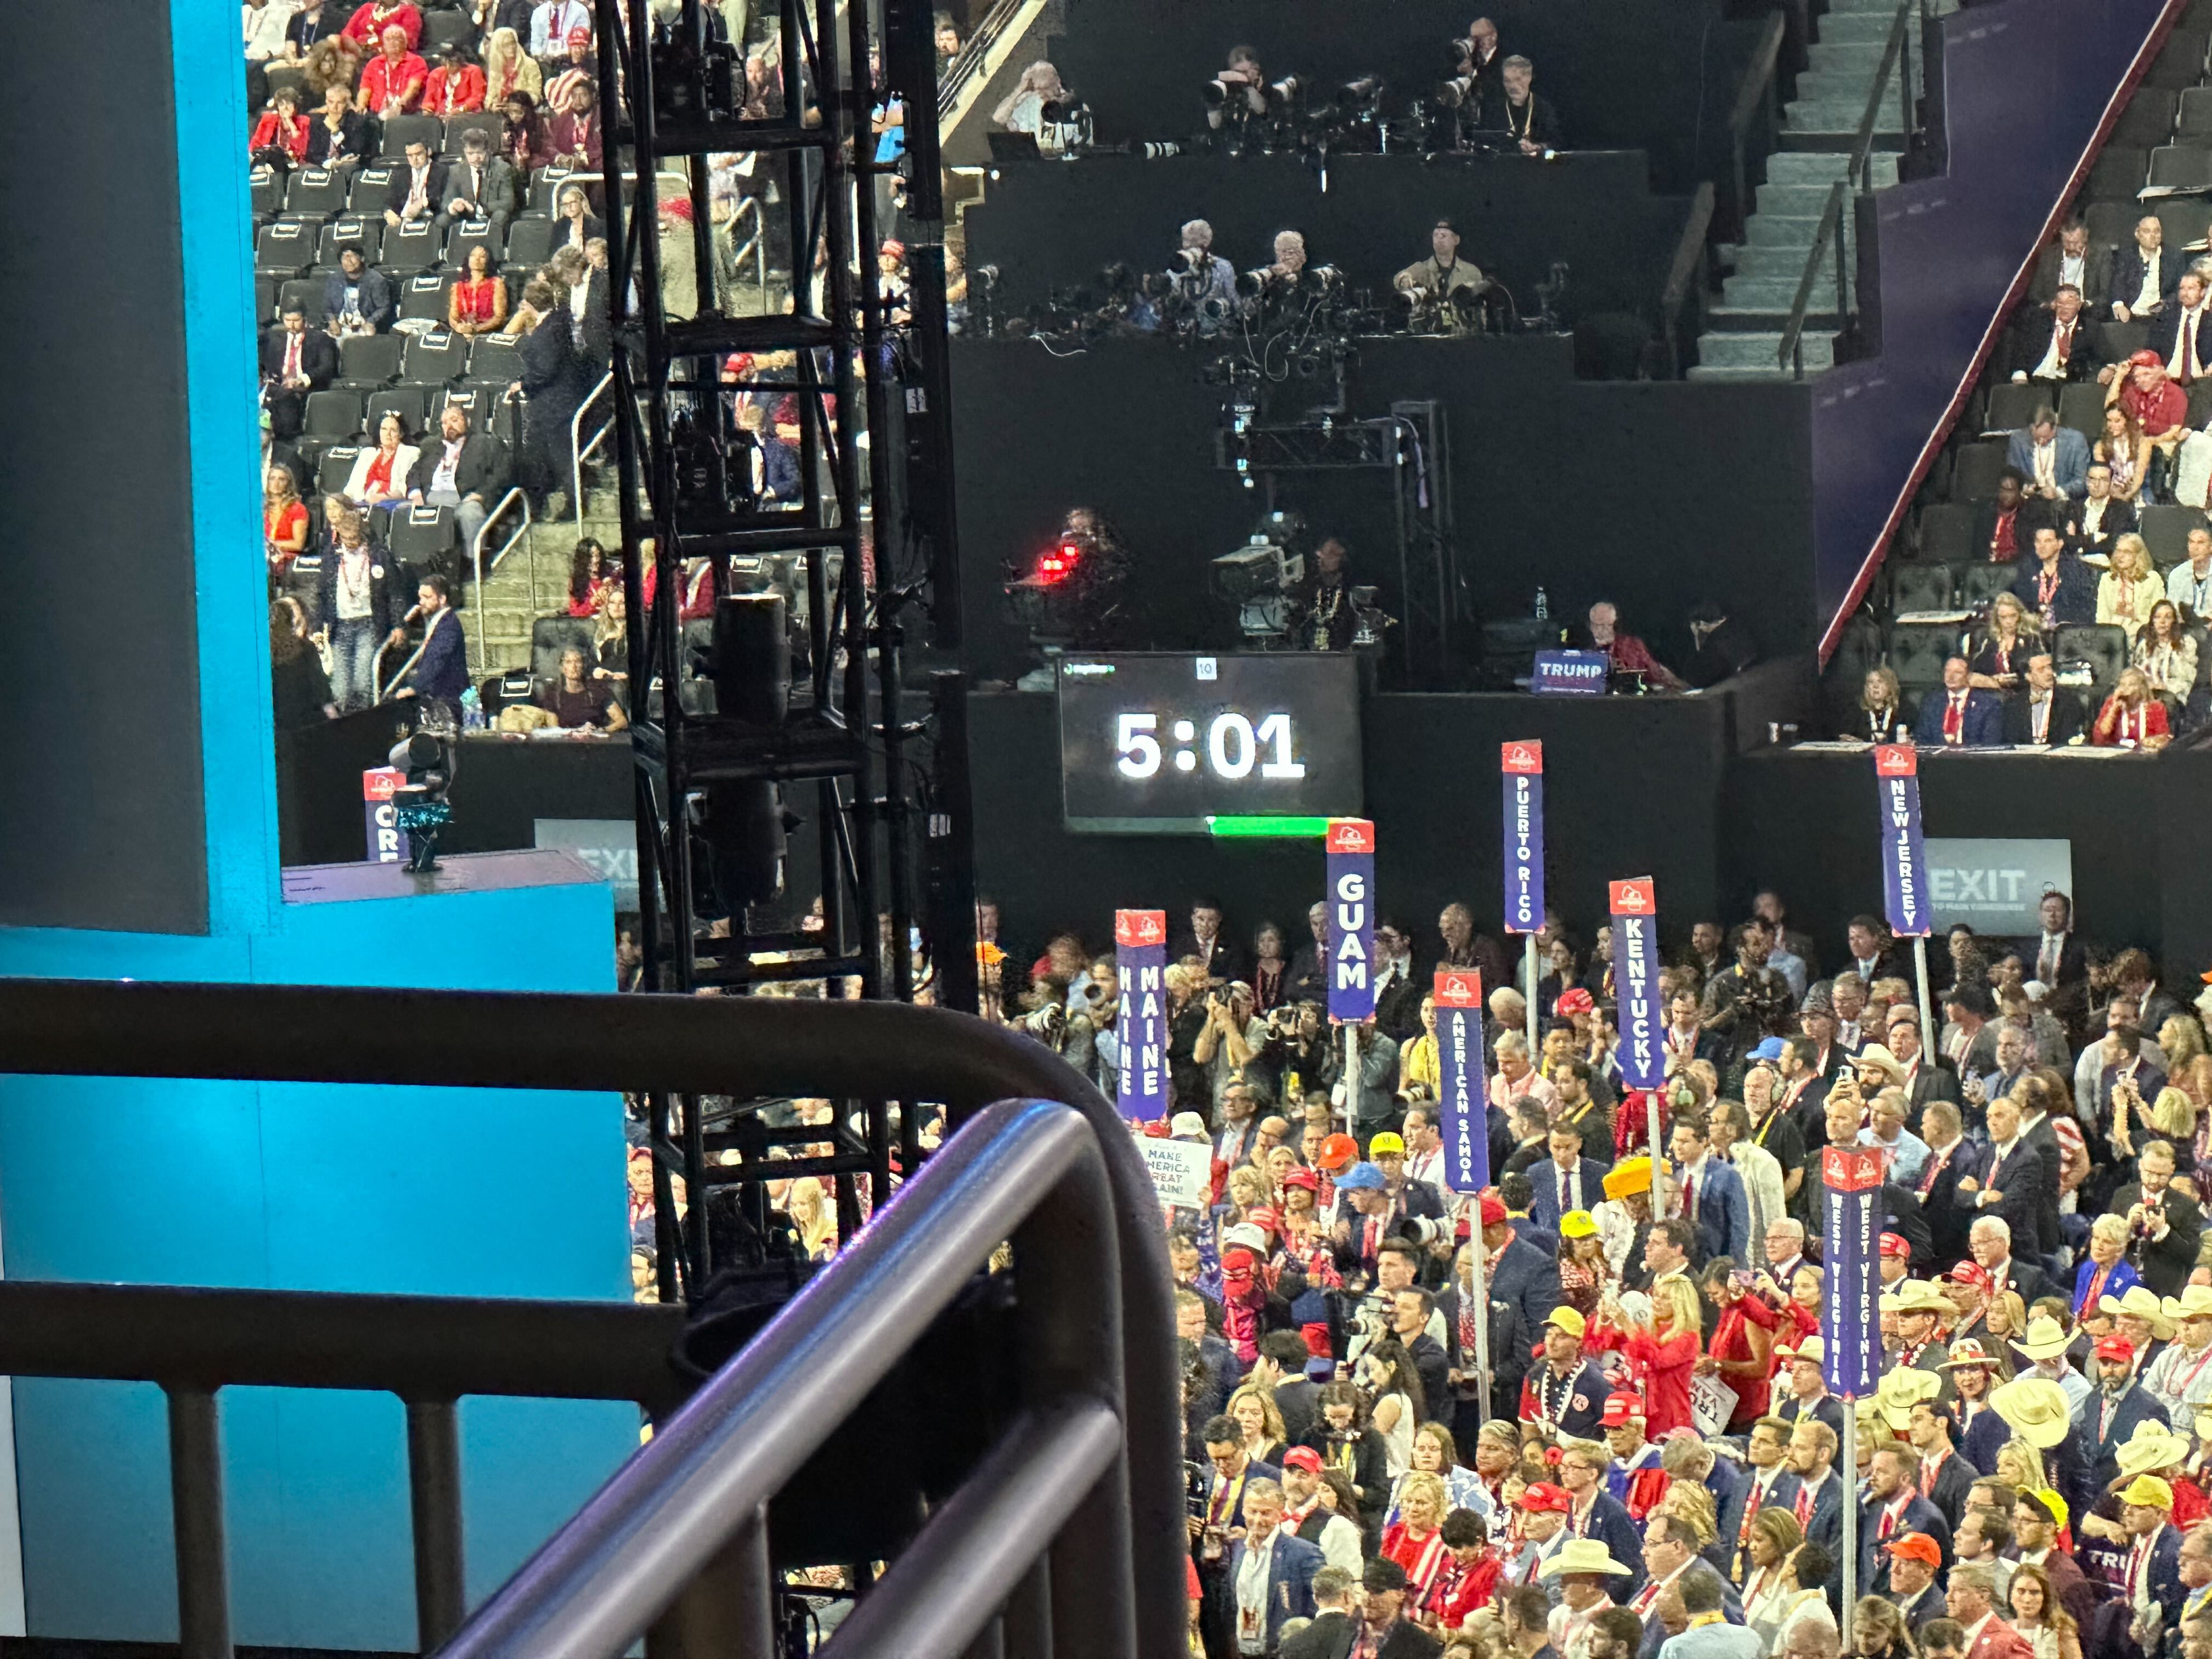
1683	281
476	560
974	53
579	451
1897	54
1754	98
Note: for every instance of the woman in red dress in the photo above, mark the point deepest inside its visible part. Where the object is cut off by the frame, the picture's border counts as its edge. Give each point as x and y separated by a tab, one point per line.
479	305
1741	1353
1415	1540
1661	1351
282	129
2131	717
283	520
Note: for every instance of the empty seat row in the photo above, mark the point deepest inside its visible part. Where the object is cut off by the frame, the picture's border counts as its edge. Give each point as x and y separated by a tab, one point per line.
366	361
342	415
291	246
1918	652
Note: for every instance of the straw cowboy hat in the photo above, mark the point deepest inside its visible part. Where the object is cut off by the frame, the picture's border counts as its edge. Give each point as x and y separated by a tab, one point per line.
2043	1340
2150	1448
2195	1302
1874	1057
1812	1350
1968	1352
1582	1555
1916	1296
1901	1390
2036	1407
2142	1302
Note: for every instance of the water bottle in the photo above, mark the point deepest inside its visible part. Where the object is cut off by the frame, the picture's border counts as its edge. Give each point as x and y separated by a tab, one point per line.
472	711
1543	606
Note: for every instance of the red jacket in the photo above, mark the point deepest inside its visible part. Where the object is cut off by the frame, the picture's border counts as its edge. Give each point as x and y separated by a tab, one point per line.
272	129
458	91
369	24
1460	1590
2111	727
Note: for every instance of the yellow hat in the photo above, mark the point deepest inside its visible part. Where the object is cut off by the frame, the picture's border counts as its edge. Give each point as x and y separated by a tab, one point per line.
2055	1504
1577	1223
1386	1142
2148	1492
1567	1320
1631	1175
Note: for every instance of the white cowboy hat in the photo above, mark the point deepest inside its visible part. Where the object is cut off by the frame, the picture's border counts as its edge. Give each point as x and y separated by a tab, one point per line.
2195	1302
2035	1406
1582	1555
2150	1448
2142	1302
1901	1390
2043	1340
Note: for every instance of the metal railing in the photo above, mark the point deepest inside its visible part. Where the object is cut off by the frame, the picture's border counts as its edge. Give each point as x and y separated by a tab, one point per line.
756	244
674	1546
972	64
477	559
579	450
1685	287
1753	119
1896	57
380	684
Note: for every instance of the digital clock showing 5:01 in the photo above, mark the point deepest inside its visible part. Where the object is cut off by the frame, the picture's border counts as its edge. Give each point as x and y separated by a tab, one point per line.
1162	743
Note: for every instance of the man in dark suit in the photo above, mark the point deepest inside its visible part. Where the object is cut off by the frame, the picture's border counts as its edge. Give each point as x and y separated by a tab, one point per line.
357	299
2145	274
2005	523
2071	261
1819	1501
1914	1561
2014	1182
1280	1368
2054	584
2108	1417
2043	712
295	360
1872	954
463	471
1670	1558
1258	1608
1306	980
1989	1238
1335	1624
2179	334
2099	517
1388	1635
1565	1180
2059	959
1770	1484
1208	940
2056	345
1950	1158
1523	1276
1229	1473
1399	990
417	194
2163	1226
1958	716
481	186
1893	1508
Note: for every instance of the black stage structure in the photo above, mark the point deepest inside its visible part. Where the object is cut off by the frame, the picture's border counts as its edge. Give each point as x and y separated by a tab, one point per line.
790	698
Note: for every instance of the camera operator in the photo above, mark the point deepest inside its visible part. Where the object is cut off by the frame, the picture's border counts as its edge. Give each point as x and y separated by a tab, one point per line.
1300	1041
1203	281
1238	93
1431	282
1040	105
1515	109
1478	62
1290	264
1322	601
1103	571
1234	1038
1748	1001
1095	1000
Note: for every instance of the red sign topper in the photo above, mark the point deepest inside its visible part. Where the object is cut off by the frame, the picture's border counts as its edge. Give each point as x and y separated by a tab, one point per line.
1350	835
1847	1170
379	783
1521	757
1633	897
1459	987
1896	760
1140	927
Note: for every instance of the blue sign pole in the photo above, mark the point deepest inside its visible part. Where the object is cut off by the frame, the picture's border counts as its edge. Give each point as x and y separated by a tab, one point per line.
1642	1052
1463	1097
1140	945
1349	846
1522	765
1904	860
1850	1325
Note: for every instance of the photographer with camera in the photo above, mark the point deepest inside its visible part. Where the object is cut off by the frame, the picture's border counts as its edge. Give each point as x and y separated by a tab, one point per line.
1240	92
1747	1001
1205	283
1528	121
1231	1039
1431	282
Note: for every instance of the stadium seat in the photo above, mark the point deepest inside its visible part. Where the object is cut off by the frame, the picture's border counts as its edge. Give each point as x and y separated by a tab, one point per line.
2180	61
264	301
401	130
1947	530
1974	472
530	241
424	538
2149	118
545	186
2200	403
1918	652
409	248
2184	217
2121	341
2196	119
2083	407
2166	532
2118	170
435	359
317	190
334	467
2010	405
350	228
1919	587
424	298
458	128
440	26
294	75
332	415
2104	648
307	293
371	190
493	358
268	189
468	233
2180	167
369	363
550	636
409	401
2110	222
1980	582
471	398
284	249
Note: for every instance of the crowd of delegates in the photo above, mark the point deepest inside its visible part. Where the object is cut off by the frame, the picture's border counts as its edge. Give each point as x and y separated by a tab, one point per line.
1650	1464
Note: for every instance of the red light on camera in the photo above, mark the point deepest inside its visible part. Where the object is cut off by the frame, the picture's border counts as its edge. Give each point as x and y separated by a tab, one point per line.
1058	563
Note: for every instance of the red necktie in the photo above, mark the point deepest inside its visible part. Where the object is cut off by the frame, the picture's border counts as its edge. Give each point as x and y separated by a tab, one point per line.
1954	717
2065	342
1804	1507
292	358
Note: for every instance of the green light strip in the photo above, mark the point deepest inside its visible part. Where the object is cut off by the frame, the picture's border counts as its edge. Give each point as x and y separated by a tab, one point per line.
1261	823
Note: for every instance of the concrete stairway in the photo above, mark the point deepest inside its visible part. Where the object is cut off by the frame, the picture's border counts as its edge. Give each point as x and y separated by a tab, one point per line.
1819	127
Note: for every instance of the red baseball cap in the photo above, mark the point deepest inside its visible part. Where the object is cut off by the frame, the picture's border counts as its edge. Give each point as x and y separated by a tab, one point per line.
580	37
1301	1177
1336	1150
1302	1457
1619	1407
1916	1546
1543	1495
2116	1347
1970	1272
1575	1001
1493	1209
1265	1216
1156	1131
1893	1245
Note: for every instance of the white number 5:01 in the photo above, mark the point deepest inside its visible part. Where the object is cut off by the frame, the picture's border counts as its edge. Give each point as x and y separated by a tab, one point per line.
1139	749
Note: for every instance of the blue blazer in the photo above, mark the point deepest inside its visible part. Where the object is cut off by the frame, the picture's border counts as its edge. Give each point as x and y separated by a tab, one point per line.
1290	1581
2076	598
1529	1279
2102	1451
1920	1516
2070	462
1825	1526
1782	1495
1544	1184
1983	723
1610	1524
1723	1220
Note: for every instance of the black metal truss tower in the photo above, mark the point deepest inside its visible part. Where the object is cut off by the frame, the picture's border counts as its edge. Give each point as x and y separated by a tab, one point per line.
868	535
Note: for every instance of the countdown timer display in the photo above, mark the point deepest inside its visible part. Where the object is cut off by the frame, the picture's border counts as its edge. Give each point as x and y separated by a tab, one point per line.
1159	742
